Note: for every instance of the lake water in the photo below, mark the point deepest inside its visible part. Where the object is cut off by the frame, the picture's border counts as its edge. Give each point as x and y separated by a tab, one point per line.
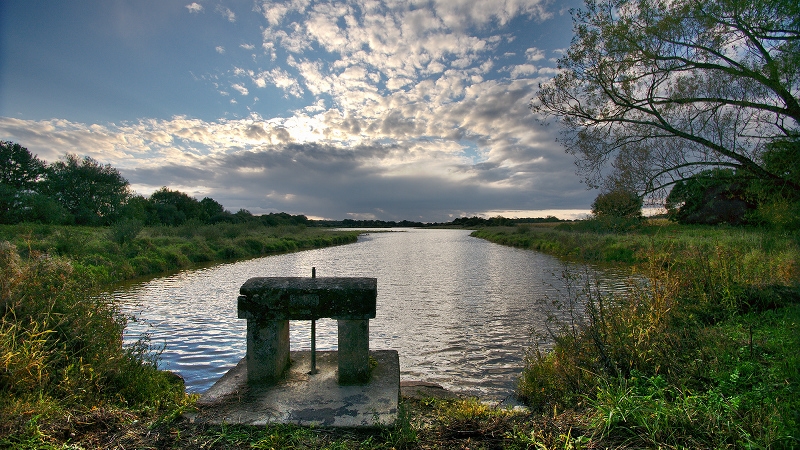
459	310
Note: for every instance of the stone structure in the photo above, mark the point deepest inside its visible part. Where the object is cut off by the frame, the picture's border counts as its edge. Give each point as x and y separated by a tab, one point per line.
268	303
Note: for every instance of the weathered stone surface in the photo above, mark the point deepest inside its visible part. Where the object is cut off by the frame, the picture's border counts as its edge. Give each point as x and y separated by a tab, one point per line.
353	351
303	399
267	350
268	303
297	298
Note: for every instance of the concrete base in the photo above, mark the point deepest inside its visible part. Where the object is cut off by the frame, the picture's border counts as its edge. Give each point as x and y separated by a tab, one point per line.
304	399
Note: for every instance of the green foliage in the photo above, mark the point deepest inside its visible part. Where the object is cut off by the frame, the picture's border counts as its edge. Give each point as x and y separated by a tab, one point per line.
91	192
710	197
127	249
19	169
19	173
749	399
126	230
61	341
779	204
618	203
701	353
617	210
174	207
653	92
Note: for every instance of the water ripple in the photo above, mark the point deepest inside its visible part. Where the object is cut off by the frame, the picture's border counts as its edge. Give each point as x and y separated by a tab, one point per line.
459	310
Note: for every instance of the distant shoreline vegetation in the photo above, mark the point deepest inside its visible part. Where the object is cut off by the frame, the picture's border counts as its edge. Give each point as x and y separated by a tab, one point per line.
82	191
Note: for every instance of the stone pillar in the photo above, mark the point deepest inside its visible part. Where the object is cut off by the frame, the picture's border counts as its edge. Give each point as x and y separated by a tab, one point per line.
353	351
267	349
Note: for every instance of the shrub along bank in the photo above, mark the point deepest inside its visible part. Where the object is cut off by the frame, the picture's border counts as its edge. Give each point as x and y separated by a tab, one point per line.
61	352
127	249
705	353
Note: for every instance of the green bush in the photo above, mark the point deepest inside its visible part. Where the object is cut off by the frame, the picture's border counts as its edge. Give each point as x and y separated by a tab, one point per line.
126	230
672	360
60	341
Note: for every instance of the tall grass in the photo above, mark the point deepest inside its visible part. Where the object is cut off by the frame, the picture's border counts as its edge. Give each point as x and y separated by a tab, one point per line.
61	345
128	250
703	353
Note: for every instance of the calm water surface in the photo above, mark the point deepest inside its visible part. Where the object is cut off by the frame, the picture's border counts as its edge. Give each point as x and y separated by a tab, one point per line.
459	310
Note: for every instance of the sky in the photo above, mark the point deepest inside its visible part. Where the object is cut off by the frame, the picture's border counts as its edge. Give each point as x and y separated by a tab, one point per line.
353	109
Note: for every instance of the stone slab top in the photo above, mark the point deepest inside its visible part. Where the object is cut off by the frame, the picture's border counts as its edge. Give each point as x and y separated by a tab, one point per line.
299	298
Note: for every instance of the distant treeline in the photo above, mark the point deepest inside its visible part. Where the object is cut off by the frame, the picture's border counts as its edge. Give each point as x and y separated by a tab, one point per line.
81	191
460	222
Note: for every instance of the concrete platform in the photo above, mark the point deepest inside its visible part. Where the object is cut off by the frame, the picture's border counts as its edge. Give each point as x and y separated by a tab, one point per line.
303	399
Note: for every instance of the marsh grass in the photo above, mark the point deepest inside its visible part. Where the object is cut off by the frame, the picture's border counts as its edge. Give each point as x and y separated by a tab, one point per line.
128	250
703	353
61	348
61	351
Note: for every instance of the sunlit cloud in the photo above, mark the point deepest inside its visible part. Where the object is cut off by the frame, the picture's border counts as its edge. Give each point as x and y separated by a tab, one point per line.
194	7
240	88
381	107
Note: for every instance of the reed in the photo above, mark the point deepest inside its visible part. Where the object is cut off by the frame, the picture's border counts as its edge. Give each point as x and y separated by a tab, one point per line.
693	356
61	343
128	250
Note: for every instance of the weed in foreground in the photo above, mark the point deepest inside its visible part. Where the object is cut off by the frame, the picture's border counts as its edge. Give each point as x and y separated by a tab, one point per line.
61	347
673	362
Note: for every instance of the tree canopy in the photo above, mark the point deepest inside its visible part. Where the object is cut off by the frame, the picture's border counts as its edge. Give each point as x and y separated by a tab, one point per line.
653	92
92	192
19	169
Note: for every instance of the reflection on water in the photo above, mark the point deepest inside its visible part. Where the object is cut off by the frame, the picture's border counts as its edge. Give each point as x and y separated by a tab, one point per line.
459	310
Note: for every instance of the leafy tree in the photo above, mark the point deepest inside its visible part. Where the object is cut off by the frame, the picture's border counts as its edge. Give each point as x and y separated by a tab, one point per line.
91	192
617	210
174	207
210	210
19	173
243	215
139	208
710	197
18	168
618	203
663	90
778	205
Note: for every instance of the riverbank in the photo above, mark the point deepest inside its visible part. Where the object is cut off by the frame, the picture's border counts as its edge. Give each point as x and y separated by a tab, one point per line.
128	250
704	354
705	357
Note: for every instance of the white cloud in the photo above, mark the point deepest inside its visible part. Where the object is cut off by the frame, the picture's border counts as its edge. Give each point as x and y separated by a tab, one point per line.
279	78
194	7
220	49
523	70
240	88
534	54
226	13
247	46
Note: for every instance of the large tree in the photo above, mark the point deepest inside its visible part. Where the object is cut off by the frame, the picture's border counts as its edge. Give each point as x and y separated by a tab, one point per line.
174	207
93	193
20	171
653	92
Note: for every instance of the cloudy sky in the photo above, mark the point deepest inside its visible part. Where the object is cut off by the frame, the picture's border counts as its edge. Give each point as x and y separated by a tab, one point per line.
392	110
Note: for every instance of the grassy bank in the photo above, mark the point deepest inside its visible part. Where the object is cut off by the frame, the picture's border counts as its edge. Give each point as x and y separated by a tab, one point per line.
128	250
61	352
704	354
